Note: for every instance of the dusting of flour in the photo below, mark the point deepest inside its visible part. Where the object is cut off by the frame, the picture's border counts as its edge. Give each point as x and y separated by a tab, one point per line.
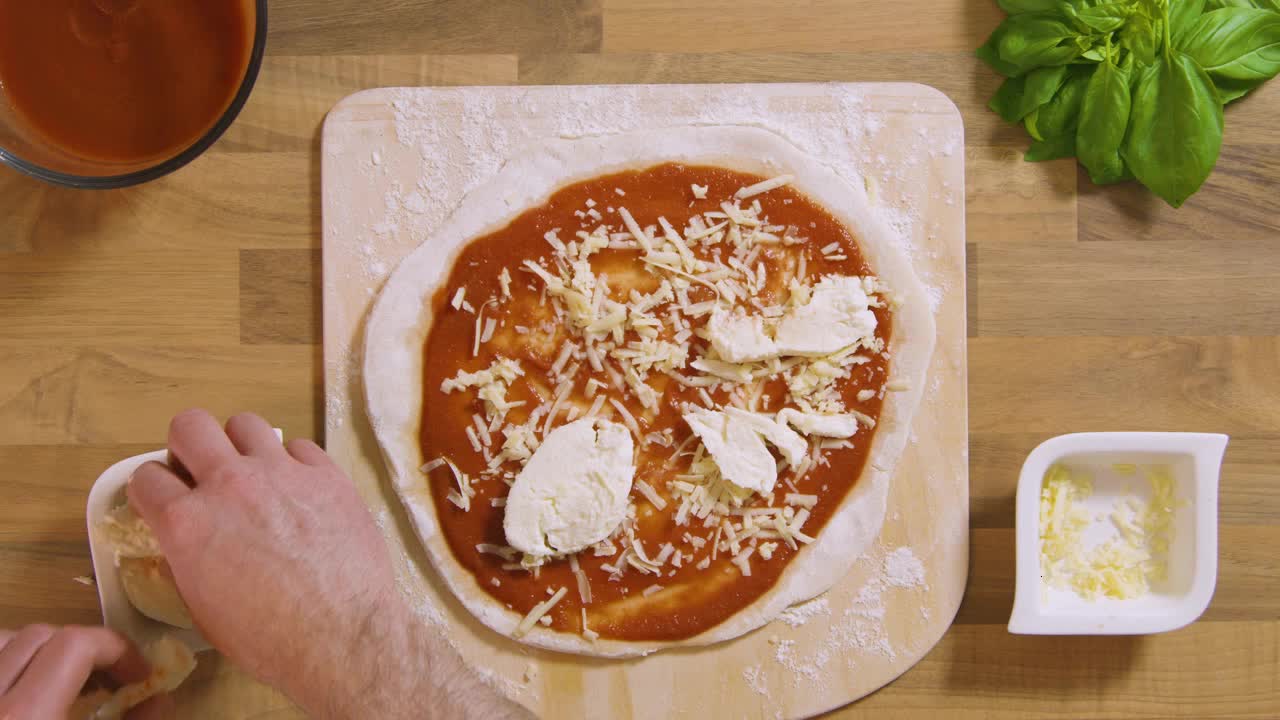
860	630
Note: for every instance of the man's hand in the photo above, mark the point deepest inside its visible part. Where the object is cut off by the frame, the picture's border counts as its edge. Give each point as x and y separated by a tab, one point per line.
286	573
43	669
273	549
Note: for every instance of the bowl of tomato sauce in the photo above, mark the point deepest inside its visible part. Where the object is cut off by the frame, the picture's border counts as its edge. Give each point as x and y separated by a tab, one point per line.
105	94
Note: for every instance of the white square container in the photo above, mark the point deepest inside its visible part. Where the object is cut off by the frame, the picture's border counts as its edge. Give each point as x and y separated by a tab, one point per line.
117	612
1194	460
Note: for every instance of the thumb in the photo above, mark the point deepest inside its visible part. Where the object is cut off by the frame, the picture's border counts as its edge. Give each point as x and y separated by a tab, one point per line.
152	490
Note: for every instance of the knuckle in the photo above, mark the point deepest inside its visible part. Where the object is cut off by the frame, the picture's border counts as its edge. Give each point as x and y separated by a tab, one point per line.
241	419
70	640
39	633
231	475
186	417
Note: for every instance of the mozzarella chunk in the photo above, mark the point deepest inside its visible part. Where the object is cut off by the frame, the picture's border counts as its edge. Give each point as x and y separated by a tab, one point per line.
739	338
573	491
836	315
789	443
736	441
737	449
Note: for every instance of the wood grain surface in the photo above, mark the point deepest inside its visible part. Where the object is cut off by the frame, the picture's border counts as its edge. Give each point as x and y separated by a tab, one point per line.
1089	309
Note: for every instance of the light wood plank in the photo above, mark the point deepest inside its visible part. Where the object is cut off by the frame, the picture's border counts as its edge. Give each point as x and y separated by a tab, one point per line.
128	393
1245	494
50	485
53	297
20	201
1076	384
219	201
1009	200
719	26
1220	286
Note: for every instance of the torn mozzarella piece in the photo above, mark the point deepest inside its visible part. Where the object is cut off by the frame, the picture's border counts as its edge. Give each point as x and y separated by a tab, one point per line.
573	491
836	315
737	449
736	439
789	443
832	426
739	338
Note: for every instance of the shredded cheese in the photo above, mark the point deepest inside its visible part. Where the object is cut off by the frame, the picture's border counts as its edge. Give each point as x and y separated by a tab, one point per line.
538	612
764	186
650	494
584	585
1121	568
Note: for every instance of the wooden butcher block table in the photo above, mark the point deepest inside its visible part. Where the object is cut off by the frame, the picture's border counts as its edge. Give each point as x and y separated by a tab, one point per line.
1087	309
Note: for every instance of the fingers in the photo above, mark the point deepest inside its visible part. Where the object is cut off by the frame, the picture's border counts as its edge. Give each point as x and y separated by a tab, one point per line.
60	668
152	489
16	653
5	637
131	667
253	436
308	453
199	442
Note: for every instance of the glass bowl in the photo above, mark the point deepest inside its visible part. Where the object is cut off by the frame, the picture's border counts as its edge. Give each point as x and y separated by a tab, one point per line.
28	153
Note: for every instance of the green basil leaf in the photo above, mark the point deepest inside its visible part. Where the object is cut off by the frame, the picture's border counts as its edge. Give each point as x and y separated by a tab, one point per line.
1055	148
1035	40
1238	47
1019	96
1104	18
1016	7
1141	36
1182	15
990	53
1053	125
1175	129
1104	117
1260	4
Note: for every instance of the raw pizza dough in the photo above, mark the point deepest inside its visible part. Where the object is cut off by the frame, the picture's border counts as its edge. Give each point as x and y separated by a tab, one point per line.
402	317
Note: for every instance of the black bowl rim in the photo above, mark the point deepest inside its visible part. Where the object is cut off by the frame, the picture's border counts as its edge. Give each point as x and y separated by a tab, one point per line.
109	182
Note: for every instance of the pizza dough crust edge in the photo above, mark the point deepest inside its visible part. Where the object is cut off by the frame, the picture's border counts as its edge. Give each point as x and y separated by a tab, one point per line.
402	316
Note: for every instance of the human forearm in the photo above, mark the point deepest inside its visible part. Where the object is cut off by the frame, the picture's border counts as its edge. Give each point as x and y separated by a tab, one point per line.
286	573
401	669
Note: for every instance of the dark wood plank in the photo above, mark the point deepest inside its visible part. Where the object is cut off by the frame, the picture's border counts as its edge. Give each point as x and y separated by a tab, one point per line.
981	672
305	27
280	297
